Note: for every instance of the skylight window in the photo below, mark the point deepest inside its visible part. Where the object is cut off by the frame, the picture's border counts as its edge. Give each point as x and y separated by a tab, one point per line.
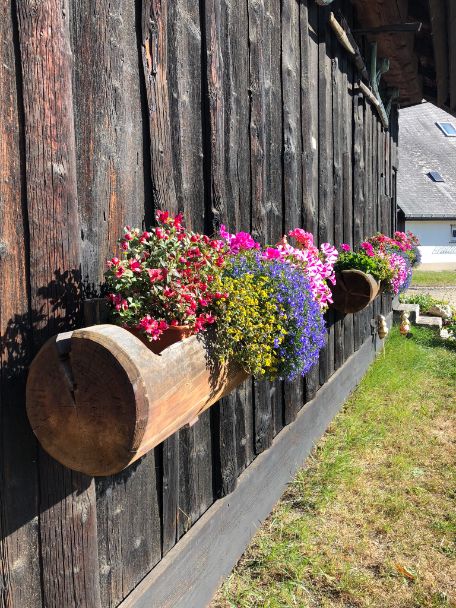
447	128
435	176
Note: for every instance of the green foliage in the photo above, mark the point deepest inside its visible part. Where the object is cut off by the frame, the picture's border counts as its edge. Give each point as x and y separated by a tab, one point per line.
376	265
424	300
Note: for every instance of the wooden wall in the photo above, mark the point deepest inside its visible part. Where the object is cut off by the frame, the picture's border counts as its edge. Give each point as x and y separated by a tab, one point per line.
243	112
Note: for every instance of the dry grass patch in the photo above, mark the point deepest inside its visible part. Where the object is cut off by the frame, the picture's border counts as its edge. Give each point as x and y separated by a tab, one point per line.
371	522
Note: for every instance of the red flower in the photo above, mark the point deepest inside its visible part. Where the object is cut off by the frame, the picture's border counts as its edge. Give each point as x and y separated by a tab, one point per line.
162	216
120	271
135	266
157	274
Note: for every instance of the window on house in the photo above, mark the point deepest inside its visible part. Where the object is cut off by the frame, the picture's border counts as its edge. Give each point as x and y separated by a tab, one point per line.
435	176
453	233
448	128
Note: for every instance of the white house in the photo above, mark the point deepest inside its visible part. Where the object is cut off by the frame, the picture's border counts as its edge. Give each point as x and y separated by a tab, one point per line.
426	186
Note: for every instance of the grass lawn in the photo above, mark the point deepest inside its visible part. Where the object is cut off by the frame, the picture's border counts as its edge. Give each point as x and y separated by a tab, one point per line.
430	278
372	520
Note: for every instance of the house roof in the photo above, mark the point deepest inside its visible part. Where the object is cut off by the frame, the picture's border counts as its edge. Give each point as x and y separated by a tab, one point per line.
423	147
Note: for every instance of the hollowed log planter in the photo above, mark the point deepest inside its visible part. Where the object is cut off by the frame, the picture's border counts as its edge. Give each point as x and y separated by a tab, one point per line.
98	399
354	290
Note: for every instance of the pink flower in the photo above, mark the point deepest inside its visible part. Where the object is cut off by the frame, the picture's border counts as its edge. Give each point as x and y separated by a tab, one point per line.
135	266
120	271
168	293
145	236
152	327
125	245
157	274
345	247
113	262
303	237
368	248
270	253
238	242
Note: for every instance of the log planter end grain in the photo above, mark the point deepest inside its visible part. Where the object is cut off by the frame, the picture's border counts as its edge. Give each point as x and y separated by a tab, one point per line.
98	399
354	290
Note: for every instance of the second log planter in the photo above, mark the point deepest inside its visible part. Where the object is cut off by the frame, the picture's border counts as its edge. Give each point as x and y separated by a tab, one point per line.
354	290
98	398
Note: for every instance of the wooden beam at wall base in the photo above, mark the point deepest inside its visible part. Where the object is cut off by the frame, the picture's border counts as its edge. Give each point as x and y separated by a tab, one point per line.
190	574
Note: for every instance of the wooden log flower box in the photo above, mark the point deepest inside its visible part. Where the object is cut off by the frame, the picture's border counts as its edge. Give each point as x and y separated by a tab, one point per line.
354	290
98	398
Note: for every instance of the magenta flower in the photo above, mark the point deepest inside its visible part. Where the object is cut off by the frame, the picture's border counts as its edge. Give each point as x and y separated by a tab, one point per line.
270	253
368	248
345	247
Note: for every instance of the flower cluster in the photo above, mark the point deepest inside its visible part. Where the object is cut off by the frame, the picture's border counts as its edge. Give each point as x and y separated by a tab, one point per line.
267	303
366	260
270	324
317	264
389	260
402	242
165	277
402	272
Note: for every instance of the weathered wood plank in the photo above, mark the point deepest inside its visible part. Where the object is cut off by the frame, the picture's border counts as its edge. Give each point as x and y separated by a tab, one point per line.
114	189
325	205
67	519
128	519
339	94
292	158
237	153
19	538
347	162
154	51
310	140
112	140
358	190
260	143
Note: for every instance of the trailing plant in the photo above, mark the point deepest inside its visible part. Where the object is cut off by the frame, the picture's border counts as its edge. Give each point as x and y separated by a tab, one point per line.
317	264
271	324
165	277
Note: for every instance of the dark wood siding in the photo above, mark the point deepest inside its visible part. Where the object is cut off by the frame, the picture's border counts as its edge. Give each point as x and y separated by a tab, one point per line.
243	112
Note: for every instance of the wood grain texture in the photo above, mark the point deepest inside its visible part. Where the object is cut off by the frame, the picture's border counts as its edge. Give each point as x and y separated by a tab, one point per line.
292	155
67	521
111	132
325	168
154	51
19	551
309	27
339	95
98	399
347	168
